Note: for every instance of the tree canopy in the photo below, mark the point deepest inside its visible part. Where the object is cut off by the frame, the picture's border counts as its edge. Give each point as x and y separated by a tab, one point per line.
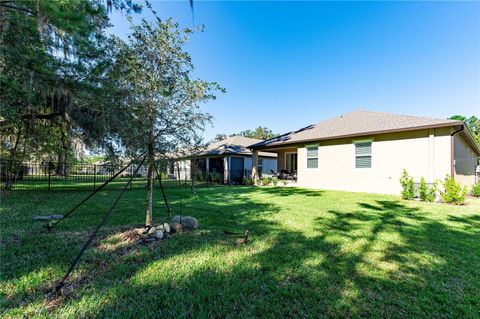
155	98
52	59
473	124
261	133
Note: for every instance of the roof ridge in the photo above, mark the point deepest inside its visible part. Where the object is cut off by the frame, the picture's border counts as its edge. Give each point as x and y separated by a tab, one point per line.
399	114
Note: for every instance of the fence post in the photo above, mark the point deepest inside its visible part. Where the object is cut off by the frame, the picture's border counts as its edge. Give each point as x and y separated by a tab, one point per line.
94	175
49	176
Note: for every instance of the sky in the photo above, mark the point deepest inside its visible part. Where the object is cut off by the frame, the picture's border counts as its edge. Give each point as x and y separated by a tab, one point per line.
286	65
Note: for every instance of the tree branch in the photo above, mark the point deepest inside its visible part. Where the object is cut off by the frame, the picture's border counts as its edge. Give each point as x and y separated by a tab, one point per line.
2	4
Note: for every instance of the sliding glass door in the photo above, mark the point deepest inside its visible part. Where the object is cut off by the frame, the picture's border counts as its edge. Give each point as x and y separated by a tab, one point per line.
291	162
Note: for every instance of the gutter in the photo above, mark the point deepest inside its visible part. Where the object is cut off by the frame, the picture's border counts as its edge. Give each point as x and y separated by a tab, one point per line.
452	150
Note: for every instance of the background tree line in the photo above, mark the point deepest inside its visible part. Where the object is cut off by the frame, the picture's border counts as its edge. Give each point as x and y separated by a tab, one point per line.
261	133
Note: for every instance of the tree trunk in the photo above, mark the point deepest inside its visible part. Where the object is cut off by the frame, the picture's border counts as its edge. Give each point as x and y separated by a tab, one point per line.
193	176
60	163
13	153
149	217
62	153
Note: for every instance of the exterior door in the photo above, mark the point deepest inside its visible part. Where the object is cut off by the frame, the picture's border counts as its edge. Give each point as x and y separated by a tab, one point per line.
236	170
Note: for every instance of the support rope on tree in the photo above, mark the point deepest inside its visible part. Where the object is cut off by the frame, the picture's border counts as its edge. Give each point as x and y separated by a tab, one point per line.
163	190
58	287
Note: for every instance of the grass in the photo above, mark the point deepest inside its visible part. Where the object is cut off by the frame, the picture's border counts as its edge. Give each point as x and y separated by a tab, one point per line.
312	254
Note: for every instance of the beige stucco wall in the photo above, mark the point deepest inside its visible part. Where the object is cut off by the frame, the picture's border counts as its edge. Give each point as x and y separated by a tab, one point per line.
465	162
423	153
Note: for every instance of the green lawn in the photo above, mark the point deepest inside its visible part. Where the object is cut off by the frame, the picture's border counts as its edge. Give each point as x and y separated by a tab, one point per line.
312	254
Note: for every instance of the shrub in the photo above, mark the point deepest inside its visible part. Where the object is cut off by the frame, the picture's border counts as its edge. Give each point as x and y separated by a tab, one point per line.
476	189
265	181
284	182
408	187
247	181
275	181
199	177
453	193
427	194
215	177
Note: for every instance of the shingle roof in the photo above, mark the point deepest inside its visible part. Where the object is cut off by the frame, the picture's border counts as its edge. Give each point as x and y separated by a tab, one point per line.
356	123
234	145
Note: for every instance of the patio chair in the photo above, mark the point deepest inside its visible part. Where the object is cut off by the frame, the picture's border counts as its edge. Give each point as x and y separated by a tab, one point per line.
284	174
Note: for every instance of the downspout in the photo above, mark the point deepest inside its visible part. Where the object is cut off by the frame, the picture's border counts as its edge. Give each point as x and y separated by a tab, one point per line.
452	151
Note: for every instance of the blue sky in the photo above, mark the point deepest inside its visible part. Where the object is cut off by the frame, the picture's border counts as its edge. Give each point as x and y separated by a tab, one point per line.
286	65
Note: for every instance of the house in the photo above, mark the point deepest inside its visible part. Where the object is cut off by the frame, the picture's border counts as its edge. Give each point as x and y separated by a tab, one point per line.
228	160
365	151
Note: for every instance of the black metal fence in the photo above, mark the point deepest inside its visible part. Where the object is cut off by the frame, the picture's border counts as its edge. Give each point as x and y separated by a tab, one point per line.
68	176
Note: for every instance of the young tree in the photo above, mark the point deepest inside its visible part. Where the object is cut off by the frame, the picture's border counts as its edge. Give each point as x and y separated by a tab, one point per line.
157	101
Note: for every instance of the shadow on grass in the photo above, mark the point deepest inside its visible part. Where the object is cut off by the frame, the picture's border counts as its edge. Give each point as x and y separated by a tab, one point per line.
382	259
28	247
419	275
289	191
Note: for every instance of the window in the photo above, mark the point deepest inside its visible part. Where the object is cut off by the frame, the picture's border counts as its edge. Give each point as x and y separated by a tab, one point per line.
260	165
312	156
363	154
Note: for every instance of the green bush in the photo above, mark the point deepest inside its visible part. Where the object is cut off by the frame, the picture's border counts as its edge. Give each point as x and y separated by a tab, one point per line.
476	189
247	181
275	181
215	177
265	181
408	187
284	182
427	194
453	193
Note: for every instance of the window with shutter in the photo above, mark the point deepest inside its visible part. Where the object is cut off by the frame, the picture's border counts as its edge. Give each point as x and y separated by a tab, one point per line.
312	156
363	154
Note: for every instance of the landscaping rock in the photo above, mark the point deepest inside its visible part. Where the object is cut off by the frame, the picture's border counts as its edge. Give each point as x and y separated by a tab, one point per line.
152	230
176	227
187	222
47	217
149	239
159	234
142	231
166	227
